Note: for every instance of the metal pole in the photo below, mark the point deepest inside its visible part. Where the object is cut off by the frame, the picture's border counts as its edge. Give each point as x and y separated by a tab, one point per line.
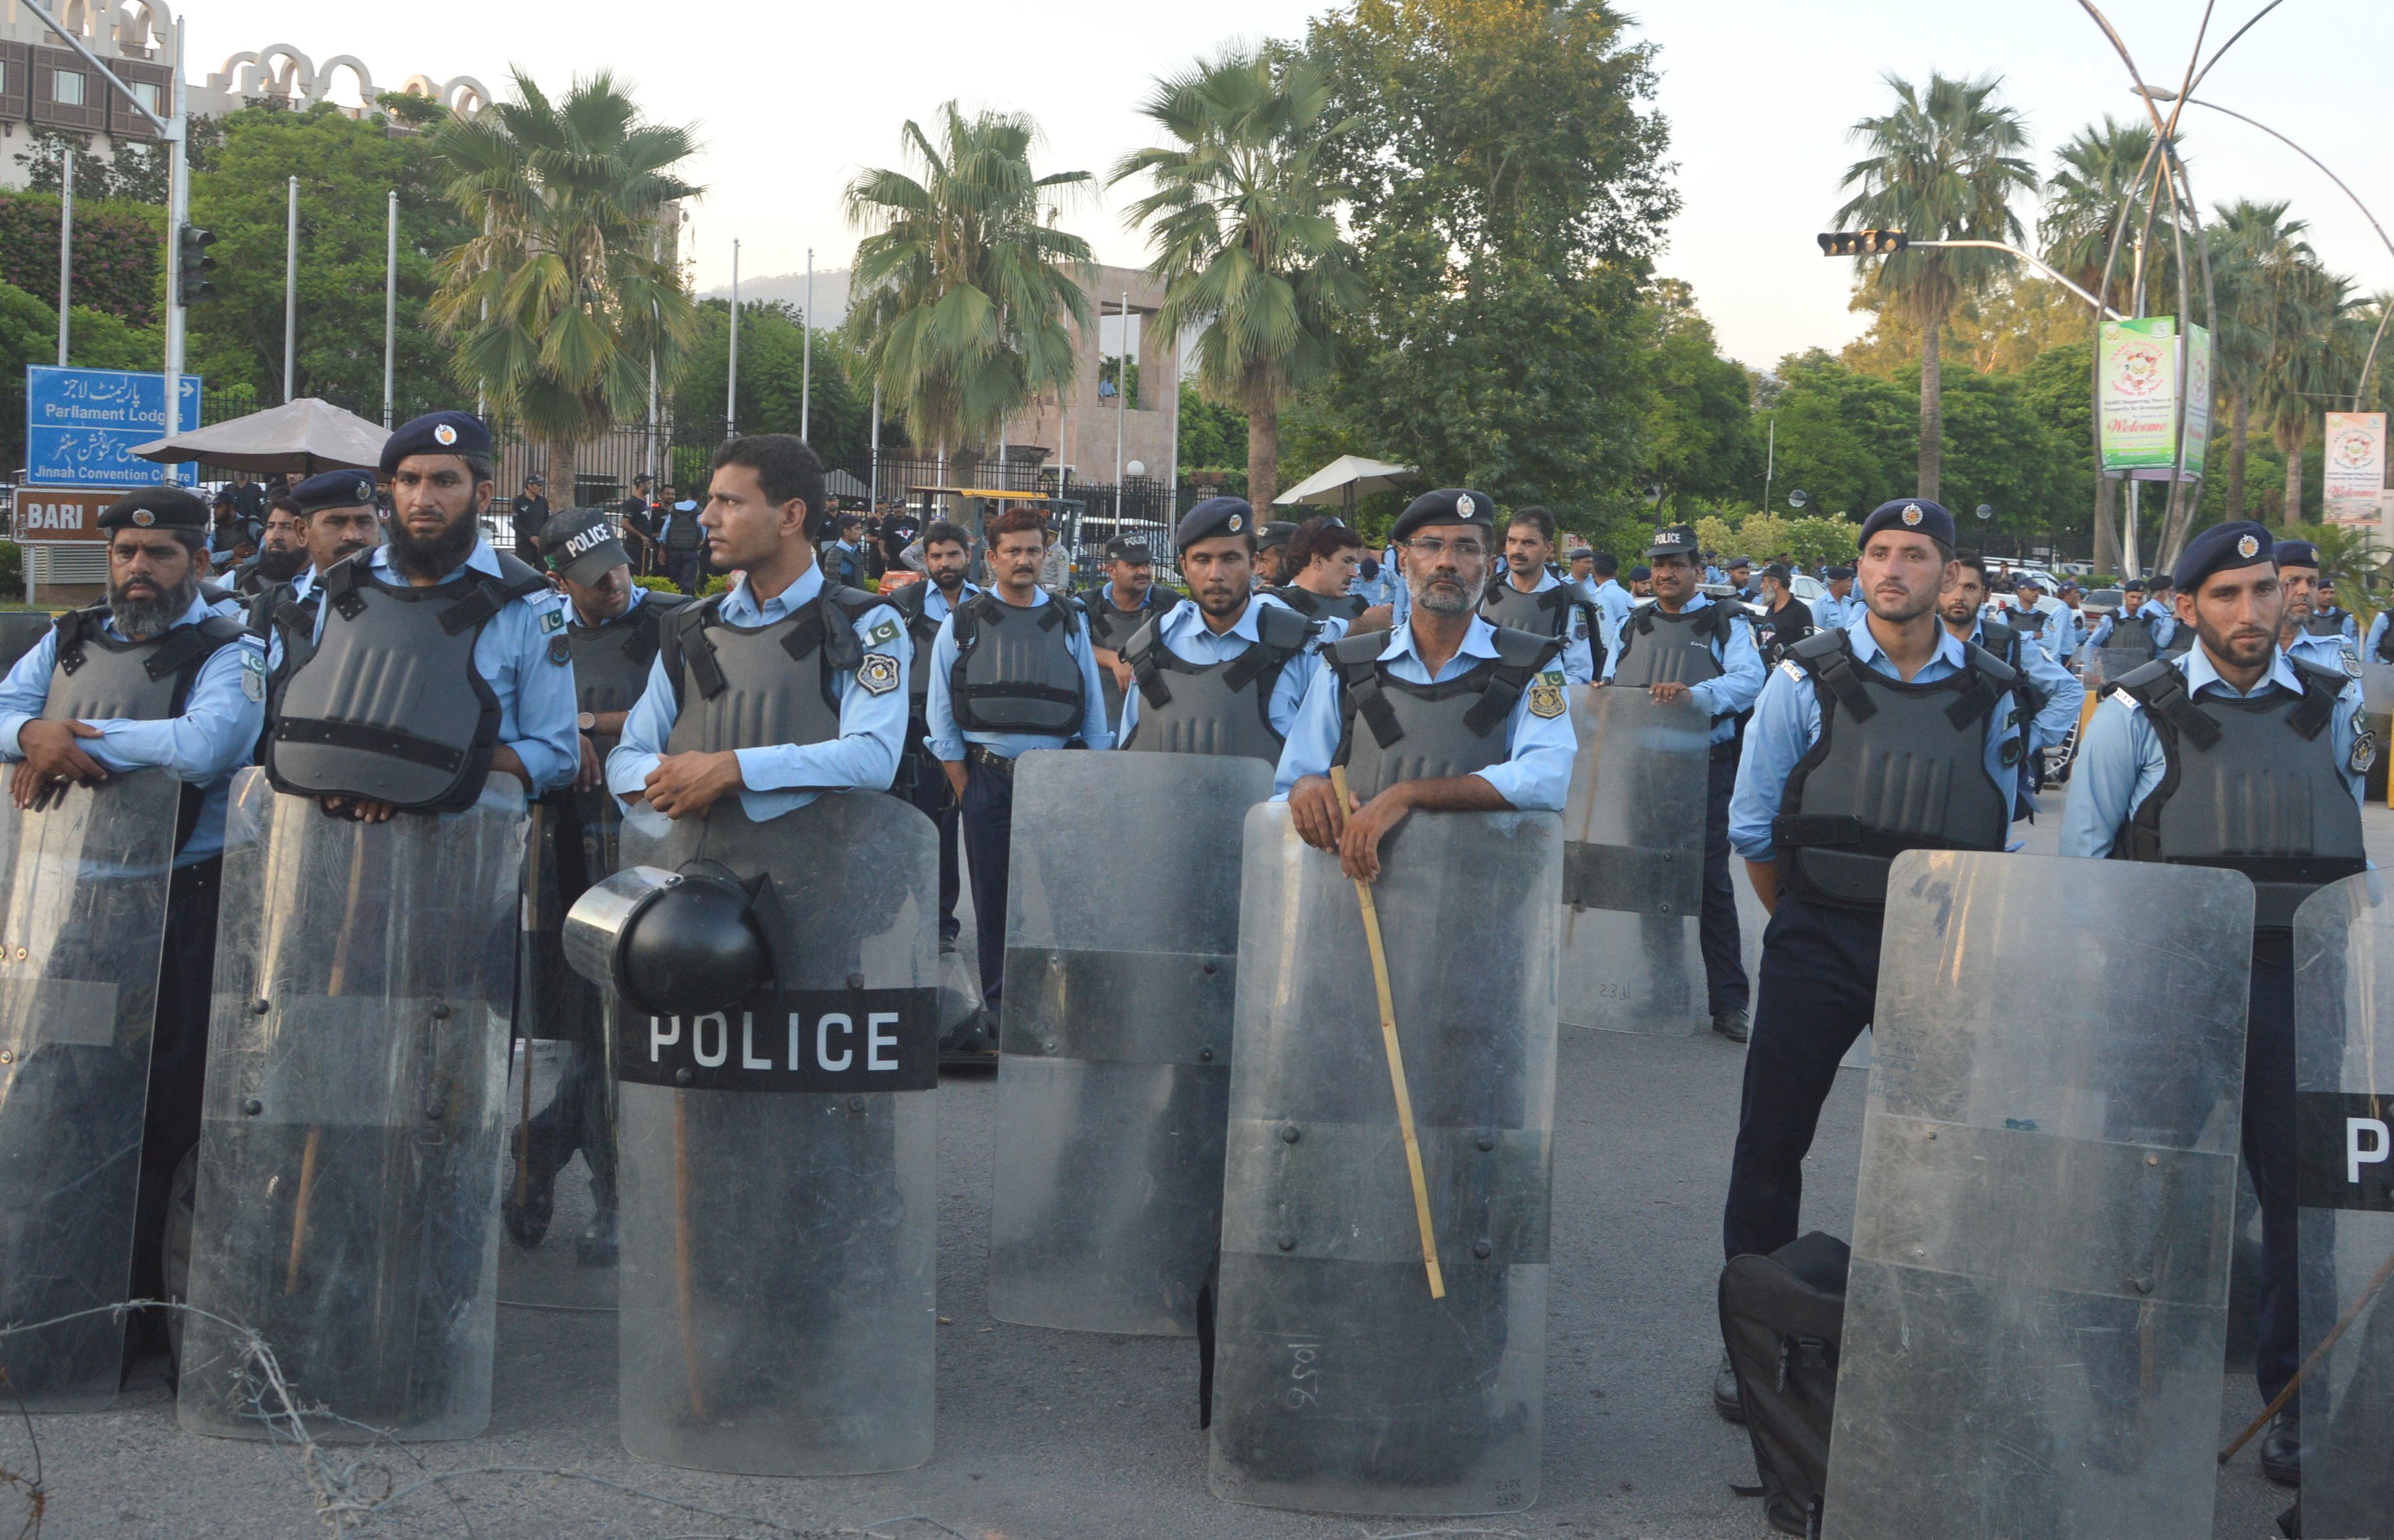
876	443
1172	476
178	213
390	304
1770	463
731	374
291	295
807	351
1122	396
66	247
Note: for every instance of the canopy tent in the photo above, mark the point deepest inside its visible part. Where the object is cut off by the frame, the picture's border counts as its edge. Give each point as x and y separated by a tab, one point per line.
1351	476
299	437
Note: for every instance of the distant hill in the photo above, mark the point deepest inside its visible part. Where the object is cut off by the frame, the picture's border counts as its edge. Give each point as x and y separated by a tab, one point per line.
790	288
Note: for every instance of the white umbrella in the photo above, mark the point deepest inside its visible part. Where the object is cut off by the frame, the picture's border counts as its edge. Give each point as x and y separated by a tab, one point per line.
300	438
1351	476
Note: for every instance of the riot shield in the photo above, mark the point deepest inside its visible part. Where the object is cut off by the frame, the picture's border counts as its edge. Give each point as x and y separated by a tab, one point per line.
2377	710
2099	666
1634	864
775	1161
347	1206
2037	1314
18	631
1113	1075
1340	1385
2344	1105
83	924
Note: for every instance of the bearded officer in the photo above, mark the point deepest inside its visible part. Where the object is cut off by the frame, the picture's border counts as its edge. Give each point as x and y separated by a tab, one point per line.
2240	756
1127	600
2331	617
1529	598
2301	635
1684	645
1013	669
1838	608
2134	626
151	678
1502	741
1271	553
1817	833
946	555
281	550
1325	558
337	520
2049	697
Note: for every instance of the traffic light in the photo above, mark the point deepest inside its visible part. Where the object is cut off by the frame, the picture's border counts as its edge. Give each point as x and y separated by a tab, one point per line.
1863	243
192	264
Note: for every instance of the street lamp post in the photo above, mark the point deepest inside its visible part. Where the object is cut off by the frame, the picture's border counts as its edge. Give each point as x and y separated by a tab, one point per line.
732	380
66	245
389	303
290	291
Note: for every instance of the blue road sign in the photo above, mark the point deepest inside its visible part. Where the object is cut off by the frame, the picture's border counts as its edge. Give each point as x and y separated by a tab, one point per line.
81	426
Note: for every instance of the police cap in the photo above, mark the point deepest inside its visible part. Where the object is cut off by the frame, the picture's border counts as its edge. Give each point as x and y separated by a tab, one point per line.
2225	548
334	489
2297	553
439	433
1214	516
1674	540
1841	574
160	507
1446	506
1133	551
1276	532
579	545
1912	516
1642	574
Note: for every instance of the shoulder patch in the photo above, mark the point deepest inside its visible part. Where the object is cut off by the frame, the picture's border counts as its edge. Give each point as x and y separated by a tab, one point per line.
1793	670
560	650
552	619
1547	698
882	635
878	673
252	673
2364	751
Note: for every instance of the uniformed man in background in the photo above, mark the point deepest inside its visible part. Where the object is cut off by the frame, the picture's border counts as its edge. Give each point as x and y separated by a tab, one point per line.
2048	695
1326	559
1839	607
1527	597
2332	616
946	555
1817	832
2134	626
1642	583
1272	554
1783	621
1612	596
281	550
1685	645
2302	634
682	540
1127	600
528	515
337	520
2242	755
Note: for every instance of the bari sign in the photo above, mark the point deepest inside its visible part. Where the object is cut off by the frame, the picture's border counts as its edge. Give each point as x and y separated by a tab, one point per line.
60	514
81	426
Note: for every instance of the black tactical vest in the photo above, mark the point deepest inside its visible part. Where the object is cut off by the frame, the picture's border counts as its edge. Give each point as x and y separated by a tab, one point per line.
683	534
2181	642
2386	644
736	686
2252	785
1898	766
2132	634
912	605
95	675
1425	732
1660	649
1112	628
389	704
1546	613
1015	671
1312	606
2028	623
1213	708
2321	625
611	660
2002	640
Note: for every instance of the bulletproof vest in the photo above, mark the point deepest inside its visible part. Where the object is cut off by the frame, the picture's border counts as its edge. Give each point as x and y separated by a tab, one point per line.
2386	644
913	603
97	675
1313	606
2131	634
1015	671
1425	732
1660	649
610	661
2250	784
389	704
683	533
735	686
1213	708
2000	640
1898	766
2321	625
1546	613
2028	623
1112	628
2181	642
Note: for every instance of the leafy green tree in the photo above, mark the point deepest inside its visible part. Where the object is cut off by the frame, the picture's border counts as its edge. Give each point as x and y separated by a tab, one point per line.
773	376
1212	438
2101	190
570	291
1943	166
1700	438
1244	237
965	294
1843	435
118	248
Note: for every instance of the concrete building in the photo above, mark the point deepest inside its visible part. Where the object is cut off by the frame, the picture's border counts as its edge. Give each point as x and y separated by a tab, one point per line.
1083	436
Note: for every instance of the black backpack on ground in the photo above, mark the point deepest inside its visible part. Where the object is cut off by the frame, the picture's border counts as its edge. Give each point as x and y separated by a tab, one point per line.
1783	1317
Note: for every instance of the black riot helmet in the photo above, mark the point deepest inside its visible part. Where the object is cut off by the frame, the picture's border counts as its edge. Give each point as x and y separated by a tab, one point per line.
676	943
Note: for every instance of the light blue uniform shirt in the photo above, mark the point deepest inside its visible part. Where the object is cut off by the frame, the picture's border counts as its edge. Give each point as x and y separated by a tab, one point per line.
2064	694
1401	593
1787	723
1535	774
1579	658
2121	760
537	706
780	778
2164	626
2376	634
213	738
1831	614
2349	627
1733	693
1185	635
948	741
2065	632
2332	651
1613	601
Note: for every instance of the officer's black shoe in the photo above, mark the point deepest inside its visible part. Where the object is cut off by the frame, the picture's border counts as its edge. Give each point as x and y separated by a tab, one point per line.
947	945
527	1222
2290	1524
2281	1450
974	1044
596	1248
1730	1024
1726	1398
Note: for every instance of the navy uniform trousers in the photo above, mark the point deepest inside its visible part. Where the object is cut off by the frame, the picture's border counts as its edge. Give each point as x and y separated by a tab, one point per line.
987	816
1725	985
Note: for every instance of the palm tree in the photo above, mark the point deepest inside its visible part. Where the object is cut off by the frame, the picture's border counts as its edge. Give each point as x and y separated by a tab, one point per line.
1243	235
964	294
2311	361
2095	191
1942	167
559	305
2253	247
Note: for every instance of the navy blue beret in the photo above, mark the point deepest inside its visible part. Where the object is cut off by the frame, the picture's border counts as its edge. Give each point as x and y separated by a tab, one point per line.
164	506
1278	532
1841	574
334	489
2221	548
1214	516
1642	574
1912	516
437	433
1446	506
2297	553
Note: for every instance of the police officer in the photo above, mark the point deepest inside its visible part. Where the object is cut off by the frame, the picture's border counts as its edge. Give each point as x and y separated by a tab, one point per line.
2379	648
1740	578
1817	833
1613	599
2238	755
1784	621
2034	617
2048	696
1013	669
1579	567
2302	635
1641	584
1526	597
683	541
1225	673
484	681
1271	553
281	550
634	516
2333	618
528	515
150	677
1685	644
946	556
1325	559
1838	608
2065	631
1127	600
2135	626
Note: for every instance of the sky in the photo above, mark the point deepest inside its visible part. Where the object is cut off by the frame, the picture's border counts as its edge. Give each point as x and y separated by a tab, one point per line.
792	102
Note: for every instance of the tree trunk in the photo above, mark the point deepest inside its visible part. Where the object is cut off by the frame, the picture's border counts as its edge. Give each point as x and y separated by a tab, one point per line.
2239	424
2295	484
1263	458
1932	409
2106	524
561	468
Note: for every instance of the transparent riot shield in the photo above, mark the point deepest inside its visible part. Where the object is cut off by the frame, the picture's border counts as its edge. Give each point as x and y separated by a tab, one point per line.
2101	666
347	1206
2343	1181
1113	1079
82	922
2377	709
1340	1385
2037	1314
1634	864
776	1160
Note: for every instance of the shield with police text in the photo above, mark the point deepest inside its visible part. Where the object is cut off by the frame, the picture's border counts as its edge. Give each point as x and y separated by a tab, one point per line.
1113	1075
347	1210
83	921
775	1166
1341	1382
2344	1181
2036	1317
2377	713
1634	864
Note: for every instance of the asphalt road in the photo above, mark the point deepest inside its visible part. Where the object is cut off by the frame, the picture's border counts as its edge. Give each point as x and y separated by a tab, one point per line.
1051	1434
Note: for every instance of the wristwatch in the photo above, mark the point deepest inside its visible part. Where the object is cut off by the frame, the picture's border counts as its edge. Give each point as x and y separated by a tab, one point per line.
587	721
